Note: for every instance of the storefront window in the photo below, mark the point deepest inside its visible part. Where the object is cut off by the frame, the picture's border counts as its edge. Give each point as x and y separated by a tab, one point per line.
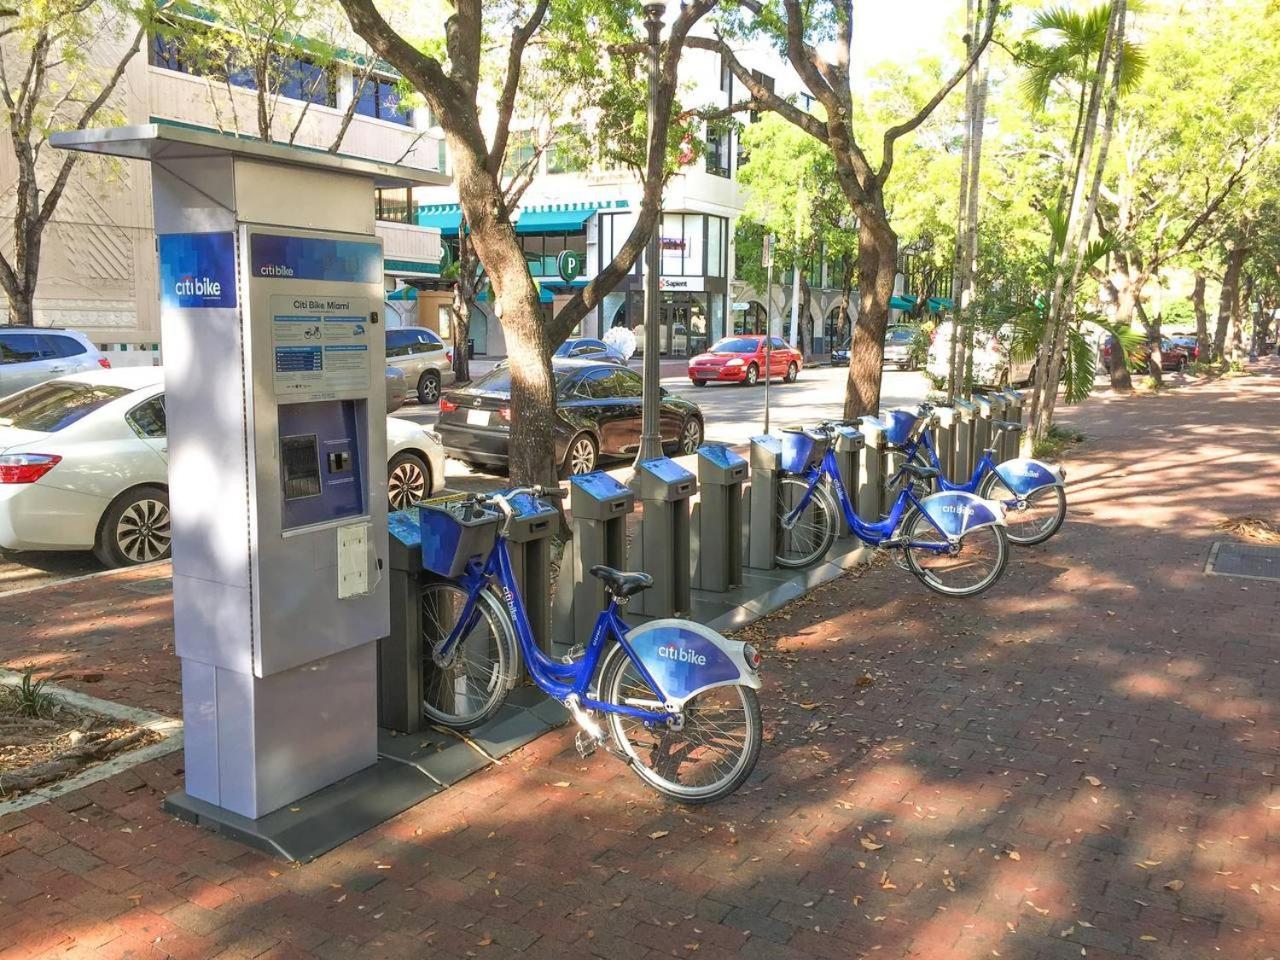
717	317
715	246
394	204
380	98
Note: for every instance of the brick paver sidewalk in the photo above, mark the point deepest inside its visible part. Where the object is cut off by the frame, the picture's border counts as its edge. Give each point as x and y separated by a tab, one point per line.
1081	764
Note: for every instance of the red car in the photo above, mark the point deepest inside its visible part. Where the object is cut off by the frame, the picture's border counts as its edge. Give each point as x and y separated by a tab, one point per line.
743	360
1173	356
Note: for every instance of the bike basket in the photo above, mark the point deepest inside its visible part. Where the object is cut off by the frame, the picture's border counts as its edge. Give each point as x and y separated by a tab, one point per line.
454	533
899	424
801	449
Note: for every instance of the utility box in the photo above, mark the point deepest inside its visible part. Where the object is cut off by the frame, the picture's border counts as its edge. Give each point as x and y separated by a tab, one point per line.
762	538
271	288
717	519
599	506
529	535
966	421
869	499
849	445
664	489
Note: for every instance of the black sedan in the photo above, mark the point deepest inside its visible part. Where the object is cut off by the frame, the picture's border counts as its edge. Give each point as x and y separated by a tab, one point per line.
598	417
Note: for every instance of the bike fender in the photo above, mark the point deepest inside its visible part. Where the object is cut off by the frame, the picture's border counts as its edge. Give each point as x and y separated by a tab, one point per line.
956	512
1024	475
686	658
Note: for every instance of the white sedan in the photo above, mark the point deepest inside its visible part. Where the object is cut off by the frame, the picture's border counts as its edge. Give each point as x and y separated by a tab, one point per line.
84	466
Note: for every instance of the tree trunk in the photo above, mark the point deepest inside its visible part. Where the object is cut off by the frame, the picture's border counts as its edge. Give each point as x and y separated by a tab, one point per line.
464	297
805	325
533	406
843	322
1202	317
1121	380
877	269
1229	303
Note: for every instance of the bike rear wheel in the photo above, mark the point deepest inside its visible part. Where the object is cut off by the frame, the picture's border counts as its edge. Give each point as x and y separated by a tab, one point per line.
1043	516
966	570
471	685
814	529
706	760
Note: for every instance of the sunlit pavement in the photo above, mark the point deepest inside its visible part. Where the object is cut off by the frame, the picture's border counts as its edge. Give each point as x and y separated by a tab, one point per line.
1080	764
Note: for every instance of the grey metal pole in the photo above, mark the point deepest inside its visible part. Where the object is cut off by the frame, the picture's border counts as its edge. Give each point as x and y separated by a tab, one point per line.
650	411
768	331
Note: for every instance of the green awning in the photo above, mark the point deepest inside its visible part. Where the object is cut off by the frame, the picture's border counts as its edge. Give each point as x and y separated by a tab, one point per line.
560	218
906	301
445	217
404	293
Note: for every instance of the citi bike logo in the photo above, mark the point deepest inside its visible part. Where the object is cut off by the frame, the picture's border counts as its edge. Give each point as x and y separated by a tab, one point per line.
963	511
190	286
275	270
682	655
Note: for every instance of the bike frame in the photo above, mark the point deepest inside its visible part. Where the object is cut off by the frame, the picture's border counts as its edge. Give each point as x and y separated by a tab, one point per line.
874	533
984	465
554	677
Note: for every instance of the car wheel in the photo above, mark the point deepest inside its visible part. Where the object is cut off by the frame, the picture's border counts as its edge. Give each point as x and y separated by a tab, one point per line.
579	457
429	387
793	373
408	480
698	383
753	375
691	435
135	528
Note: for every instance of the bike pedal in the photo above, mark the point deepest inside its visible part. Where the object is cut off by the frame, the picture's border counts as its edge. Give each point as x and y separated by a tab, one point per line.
585	744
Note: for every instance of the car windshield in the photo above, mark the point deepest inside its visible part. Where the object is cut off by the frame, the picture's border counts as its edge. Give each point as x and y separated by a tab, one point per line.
51	406
899	336
736	345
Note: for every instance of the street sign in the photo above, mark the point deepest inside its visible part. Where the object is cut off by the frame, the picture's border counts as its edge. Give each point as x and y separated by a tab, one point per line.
569	265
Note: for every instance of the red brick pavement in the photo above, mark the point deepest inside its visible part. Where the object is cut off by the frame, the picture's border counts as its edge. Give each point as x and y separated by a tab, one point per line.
947	809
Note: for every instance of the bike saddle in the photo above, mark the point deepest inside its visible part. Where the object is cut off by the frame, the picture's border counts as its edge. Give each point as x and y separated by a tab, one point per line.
1011	425
621	584
920	471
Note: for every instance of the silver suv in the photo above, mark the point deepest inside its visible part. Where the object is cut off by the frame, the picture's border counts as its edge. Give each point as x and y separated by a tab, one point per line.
426	361
31	355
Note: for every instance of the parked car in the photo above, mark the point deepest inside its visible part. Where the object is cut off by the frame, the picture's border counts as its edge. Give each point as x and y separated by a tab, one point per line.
1191	345
425	359
743	359
84	466
1172	356
582	348
397	388
897	348
993	361
589	348
31	356
597	417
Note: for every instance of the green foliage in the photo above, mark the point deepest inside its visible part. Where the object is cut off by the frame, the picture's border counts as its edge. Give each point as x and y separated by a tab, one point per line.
29	698
1063	44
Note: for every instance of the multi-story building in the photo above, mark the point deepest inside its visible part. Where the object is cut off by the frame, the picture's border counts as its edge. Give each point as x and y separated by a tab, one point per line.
590	209
98	267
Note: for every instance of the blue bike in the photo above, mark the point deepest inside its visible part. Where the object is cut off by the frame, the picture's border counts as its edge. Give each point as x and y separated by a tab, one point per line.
1032	492
954	542
678	700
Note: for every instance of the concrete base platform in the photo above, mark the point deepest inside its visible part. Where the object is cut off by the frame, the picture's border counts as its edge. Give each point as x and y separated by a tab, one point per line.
411	767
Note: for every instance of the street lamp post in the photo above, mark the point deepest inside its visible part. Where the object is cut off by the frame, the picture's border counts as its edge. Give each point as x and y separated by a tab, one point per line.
650	435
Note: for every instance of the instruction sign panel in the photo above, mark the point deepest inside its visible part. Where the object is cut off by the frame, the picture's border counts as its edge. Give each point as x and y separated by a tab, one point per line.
320	346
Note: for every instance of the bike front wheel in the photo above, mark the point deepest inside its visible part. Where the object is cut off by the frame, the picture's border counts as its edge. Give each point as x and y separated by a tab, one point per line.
814	528
966	569
708	758
470	685
1040	519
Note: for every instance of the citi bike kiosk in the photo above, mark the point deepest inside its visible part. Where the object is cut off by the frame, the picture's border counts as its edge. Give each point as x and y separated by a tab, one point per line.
271	290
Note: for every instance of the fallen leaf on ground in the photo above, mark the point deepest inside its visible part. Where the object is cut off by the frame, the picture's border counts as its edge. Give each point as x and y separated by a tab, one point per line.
658	834
869	844
1093	781
1174	885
